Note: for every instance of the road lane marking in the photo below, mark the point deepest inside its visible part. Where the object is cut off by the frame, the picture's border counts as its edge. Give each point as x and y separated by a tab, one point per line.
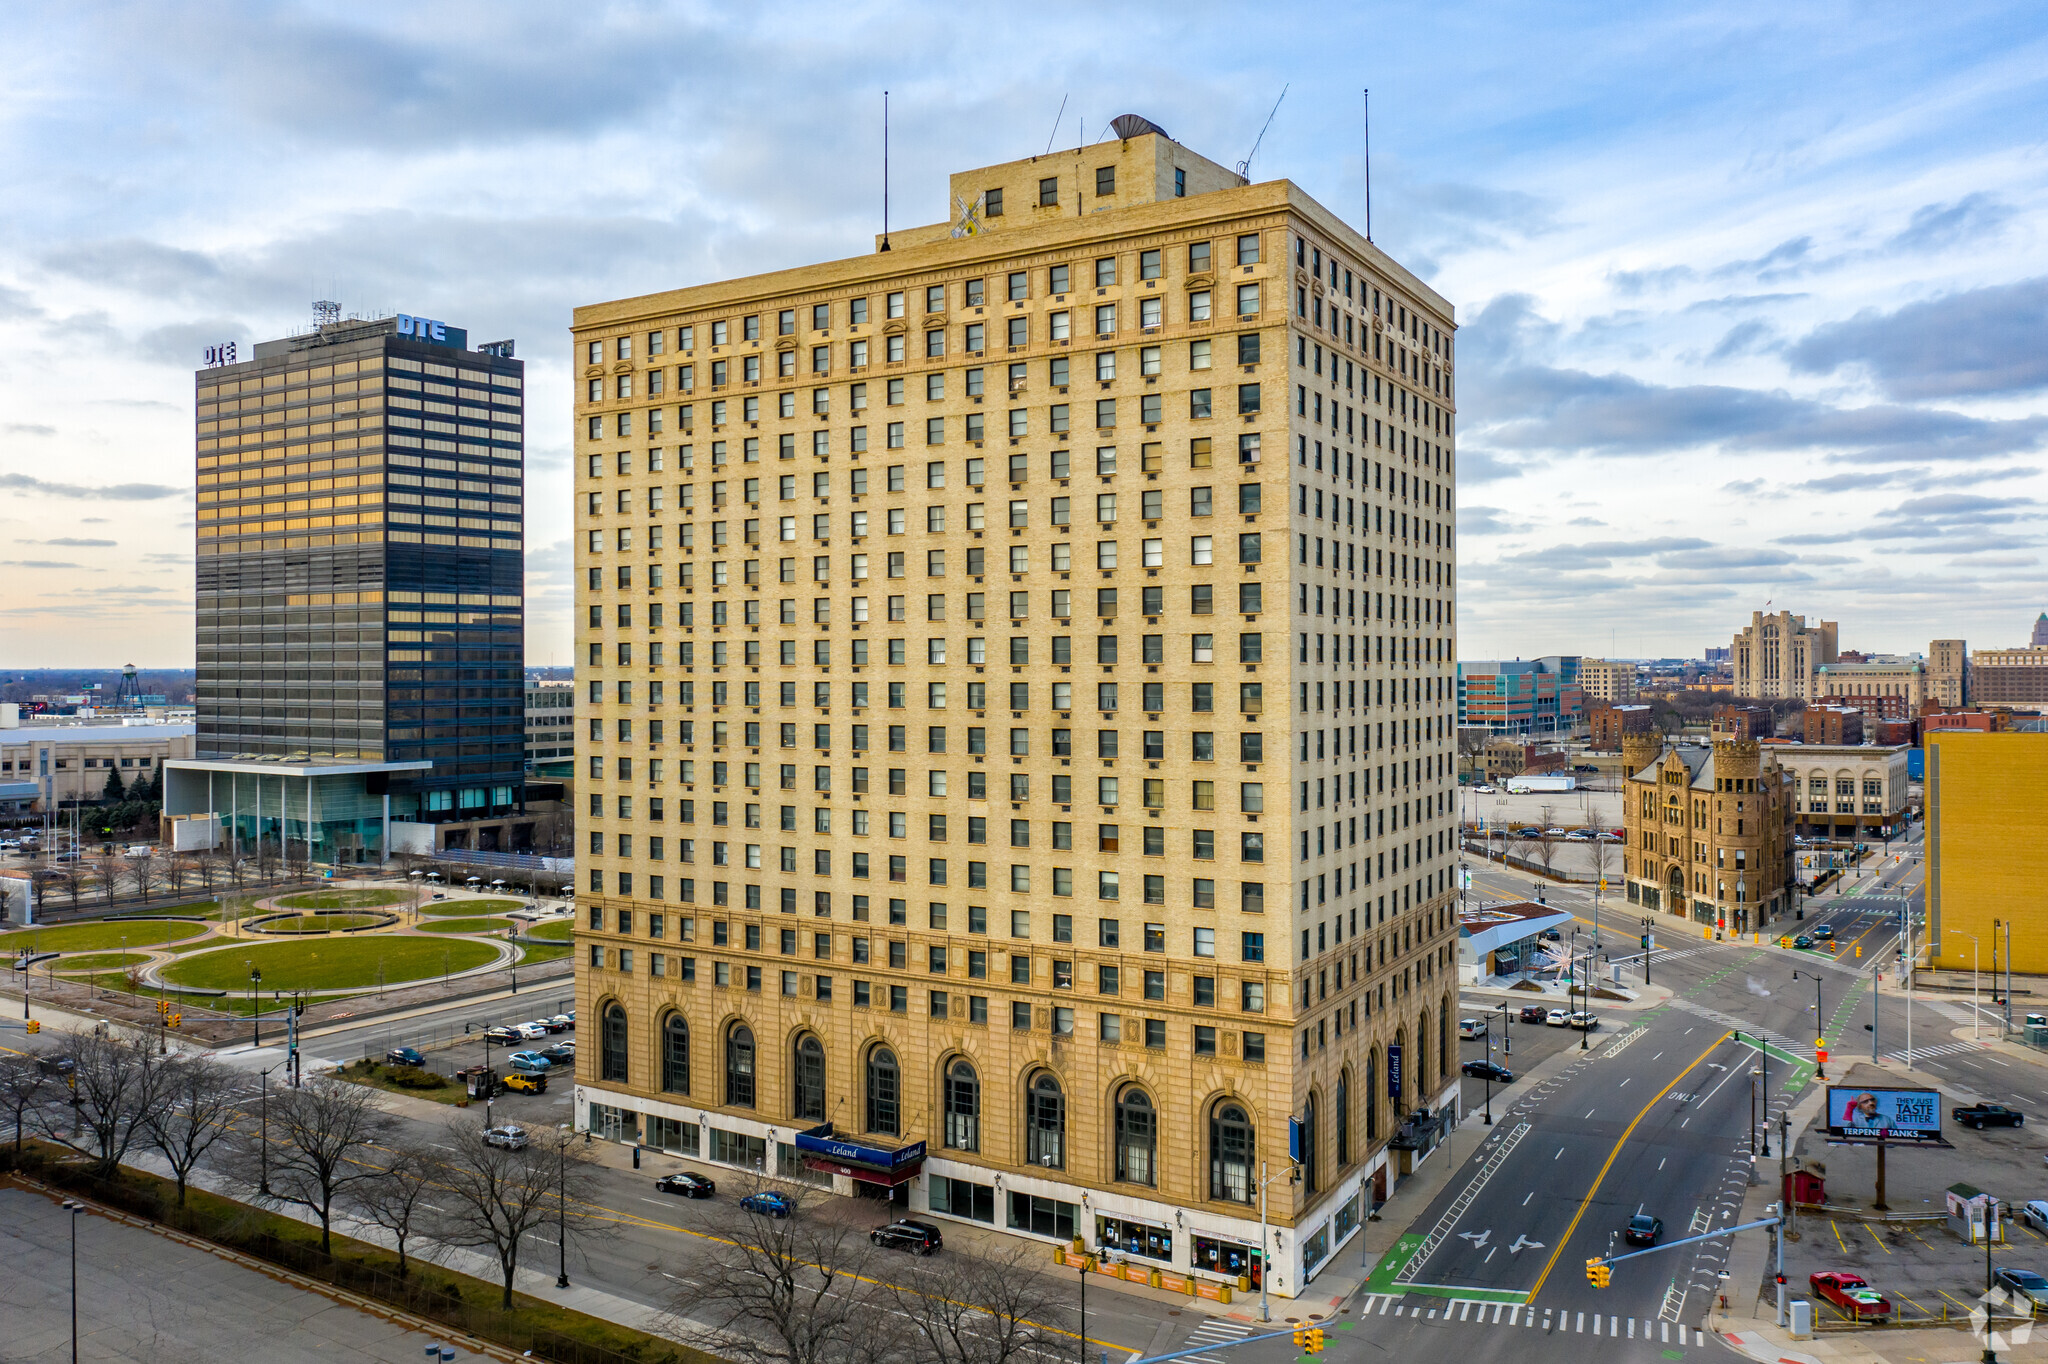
1627	1132
1532	1193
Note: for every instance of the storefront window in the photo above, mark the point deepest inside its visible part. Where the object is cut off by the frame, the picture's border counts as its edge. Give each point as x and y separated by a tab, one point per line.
733	1148
1134	1238
1042	1216
1232	1258
669	1134
1315	1248
963	1198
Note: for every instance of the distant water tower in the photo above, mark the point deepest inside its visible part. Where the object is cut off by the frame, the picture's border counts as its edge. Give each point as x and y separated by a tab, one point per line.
129	693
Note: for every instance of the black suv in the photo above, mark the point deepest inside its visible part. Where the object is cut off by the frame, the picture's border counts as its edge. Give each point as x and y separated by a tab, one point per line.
1981	1116
56	1065
919	1238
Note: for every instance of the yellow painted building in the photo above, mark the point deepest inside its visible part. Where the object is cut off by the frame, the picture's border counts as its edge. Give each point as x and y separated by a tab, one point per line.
1985	858
1016	715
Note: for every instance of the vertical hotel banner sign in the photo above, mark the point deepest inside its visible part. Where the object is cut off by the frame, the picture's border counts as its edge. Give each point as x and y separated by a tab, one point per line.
1394	1071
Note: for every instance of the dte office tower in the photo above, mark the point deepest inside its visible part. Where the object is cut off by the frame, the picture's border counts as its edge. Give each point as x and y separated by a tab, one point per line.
1019	665
360	595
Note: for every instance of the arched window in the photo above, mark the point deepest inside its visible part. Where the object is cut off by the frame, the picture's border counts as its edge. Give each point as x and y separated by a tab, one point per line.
963	1107
612	1044
1372	1096
885	1092
739	1066
1422	1055
1309	1180
808	1101
1045	1123
1443	1039
1230	1154
1343	1118
1137	1138
675	1055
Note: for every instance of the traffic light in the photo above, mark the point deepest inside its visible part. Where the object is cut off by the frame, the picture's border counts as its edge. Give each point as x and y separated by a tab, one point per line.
176	1019
34	1025
1315	1341
1301	1337
1598	1273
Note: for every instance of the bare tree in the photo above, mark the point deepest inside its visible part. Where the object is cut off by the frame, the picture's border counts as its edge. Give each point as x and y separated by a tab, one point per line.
178	869
324	1131
206	865
22	1089
977	1309
115	1092
1600	857
792	1290
501	1195
200	1106
109	871
143	869
396	1199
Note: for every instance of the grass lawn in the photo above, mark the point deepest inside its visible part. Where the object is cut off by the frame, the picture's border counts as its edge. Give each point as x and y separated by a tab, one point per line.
466	926
322	923
343	899
545	952
96	937
442	909
101	961
196	944
557	931
329	964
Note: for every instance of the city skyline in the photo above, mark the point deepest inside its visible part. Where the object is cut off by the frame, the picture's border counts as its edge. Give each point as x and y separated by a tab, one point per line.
1739	323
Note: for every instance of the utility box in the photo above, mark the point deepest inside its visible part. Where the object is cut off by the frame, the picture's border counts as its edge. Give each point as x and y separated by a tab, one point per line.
1800	1319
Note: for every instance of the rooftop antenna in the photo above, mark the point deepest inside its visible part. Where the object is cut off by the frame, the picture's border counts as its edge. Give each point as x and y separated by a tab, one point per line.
326	313
1368	164
885	170
1244	167
1057	119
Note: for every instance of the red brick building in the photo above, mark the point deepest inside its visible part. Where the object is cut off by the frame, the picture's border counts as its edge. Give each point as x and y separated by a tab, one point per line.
1611	722
1745	722
1833	725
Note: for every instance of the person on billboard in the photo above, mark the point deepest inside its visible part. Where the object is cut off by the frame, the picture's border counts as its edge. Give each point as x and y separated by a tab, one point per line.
1860	1111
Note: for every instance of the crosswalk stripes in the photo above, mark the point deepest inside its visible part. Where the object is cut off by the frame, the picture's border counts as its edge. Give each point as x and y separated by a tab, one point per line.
1488	1312
1802	1050
1216	1331
1947	1049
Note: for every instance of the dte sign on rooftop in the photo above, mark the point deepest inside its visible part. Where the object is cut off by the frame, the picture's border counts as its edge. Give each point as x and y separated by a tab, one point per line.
425	328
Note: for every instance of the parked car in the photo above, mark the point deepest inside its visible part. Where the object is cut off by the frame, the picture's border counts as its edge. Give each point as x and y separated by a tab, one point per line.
768	1204
561	1053
1802	941
1585	1022
562	1023
530	1061
511	1136
525	1082
1611	838
919	1238
1557	1018
1486	790
1643	1230
1551	935
1494	1070
1849	1292
405	1056
504	1036
56	1065
1981	1116
1530	831
2034	1212
1471	1027
686	1185
1534	1013
530	1032
1553	833
2025	1284
1578	836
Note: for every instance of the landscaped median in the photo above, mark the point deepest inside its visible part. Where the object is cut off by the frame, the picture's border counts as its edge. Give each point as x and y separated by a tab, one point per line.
453	1300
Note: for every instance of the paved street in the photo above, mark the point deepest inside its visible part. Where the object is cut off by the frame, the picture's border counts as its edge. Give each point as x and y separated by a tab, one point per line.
1654	1115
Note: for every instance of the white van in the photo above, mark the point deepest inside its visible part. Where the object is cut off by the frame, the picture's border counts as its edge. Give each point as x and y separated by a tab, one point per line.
1471	1027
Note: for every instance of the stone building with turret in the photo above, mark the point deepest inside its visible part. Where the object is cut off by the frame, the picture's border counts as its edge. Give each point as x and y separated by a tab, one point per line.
1709	830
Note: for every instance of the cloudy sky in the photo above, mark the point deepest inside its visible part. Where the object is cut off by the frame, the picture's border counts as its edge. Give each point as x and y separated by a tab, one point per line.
1753	298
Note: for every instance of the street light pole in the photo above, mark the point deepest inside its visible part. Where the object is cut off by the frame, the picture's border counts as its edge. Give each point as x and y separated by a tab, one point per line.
1487	1036
1976	1015
1990	1229
74	1207
1820	1068
255	1010
562	1205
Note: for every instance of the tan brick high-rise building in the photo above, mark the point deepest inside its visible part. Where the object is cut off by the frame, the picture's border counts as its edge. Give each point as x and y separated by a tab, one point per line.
1775	657
1709	832
1606	679
1018	676
1948	673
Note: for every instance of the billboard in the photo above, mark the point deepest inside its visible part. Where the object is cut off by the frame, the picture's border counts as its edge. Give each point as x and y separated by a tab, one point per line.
1909	1115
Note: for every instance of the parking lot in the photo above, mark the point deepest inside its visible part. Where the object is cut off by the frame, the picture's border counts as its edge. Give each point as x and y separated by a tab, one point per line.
1914	1259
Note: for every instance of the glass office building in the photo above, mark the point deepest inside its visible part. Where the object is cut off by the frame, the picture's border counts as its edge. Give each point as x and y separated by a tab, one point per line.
360	578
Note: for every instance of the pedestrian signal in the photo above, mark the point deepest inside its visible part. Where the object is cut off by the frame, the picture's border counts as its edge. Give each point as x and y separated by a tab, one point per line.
1598	1273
